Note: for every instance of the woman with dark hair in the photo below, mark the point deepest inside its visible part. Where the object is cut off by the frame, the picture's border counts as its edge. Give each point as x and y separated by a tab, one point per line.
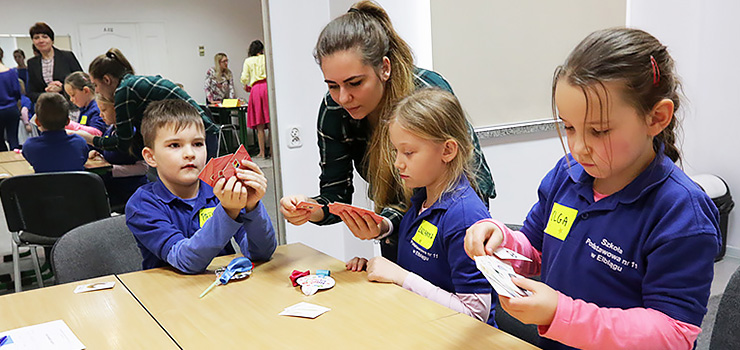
254	78
46	72
20	60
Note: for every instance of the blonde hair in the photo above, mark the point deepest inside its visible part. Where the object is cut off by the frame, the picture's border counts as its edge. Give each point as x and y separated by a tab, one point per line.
221	73
432	114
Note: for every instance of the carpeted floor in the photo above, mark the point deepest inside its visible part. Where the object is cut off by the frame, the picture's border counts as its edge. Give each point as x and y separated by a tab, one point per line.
702	343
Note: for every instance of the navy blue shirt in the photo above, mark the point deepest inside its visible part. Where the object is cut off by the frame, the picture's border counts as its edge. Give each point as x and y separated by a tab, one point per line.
115	156
650	245
90	116
196	229
56	151
10	89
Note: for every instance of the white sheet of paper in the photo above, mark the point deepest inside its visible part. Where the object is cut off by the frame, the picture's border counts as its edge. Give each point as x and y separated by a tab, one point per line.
94	286
304	309
54	335
499	274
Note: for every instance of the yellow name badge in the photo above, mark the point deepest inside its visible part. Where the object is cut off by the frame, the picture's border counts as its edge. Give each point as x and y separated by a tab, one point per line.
425	234
560	222
83	119
229	102
205	214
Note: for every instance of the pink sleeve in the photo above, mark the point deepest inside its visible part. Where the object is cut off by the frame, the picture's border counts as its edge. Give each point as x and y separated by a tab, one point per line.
24	115
473	305
136	169
587	326
519	243
89	129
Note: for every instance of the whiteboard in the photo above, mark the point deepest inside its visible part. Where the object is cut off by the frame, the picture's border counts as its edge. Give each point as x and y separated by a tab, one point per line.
500	55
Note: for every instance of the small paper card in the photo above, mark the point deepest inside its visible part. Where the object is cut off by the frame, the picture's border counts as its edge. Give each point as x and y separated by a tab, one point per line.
223	167
94	286
499	274
229	102
508	254
52	335
304	309
311	207
337	208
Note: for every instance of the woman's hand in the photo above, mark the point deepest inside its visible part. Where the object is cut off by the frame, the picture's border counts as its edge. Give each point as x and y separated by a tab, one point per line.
380	269
298	216
54	86
538	308
363	227
254	181
482	239
232	194
356	264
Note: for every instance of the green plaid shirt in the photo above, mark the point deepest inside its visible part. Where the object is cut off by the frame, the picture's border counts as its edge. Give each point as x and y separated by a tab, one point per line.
343	142
133	94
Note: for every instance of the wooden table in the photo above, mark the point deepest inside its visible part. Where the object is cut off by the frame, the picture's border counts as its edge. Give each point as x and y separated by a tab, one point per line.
16	168
10	156
106	319
13	164
245	313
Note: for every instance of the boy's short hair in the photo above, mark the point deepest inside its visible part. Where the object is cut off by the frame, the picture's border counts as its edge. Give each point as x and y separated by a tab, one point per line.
52	110
172	112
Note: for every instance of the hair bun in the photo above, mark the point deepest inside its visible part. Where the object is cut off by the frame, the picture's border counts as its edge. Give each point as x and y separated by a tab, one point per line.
110	54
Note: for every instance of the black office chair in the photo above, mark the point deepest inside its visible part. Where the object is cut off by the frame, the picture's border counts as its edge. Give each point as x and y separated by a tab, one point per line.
726	331
99	248
40	208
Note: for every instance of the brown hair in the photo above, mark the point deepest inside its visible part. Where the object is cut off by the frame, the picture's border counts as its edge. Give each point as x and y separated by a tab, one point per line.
255	48
625	55
175	113
79	80
41	28
367	29
112	63
435	115
52	110
219	73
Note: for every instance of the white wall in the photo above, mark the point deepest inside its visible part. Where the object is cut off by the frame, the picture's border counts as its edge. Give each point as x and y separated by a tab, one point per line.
220	25
702	38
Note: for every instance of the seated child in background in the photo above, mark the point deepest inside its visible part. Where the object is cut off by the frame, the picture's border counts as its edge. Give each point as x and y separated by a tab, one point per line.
179	220
433	155
54	150
27	130
81	92
128	173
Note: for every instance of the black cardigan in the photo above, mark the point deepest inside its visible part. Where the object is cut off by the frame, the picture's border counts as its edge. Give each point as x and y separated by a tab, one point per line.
65	63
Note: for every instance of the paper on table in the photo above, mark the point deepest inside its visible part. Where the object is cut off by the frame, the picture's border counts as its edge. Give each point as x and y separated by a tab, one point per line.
304	309
94	286
54	335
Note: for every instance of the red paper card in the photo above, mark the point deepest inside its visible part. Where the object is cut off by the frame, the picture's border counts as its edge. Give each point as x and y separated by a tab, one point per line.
224	166
311	207
337	208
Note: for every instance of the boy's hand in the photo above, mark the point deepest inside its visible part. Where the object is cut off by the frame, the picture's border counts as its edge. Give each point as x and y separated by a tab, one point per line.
482	239
254	181
298	216
380	269
356	264
538	308
232	194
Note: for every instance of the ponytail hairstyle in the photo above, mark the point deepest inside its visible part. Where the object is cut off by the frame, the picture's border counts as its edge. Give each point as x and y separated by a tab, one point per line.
80	80
255	48
637	60
112	63
367	29
436	115
219	73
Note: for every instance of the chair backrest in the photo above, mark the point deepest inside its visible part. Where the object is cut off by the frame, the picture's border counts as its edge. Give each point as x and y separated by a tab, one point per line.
726	330
50	204
96	249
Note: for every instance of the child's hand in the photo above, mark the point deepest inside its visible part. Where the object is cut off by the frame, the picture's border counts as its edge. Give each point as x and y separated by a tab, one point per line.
538	308
93	155
297	216
254	181
480	234
28	127
363	227
380	269
356	264
232	194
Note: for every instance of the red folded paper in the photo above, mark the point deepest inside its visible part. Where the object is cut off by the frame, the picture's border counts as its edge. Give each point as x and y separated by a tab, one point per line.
298	274
224	166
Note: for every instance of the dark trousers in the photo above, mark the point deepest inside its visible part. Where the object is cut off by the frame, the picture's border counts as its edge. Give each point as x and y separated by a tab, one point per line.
9	119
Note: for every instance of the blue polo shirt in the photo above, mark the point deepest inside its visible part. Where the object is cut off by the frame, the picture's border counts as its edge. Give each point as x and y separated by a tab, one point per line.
90	116
56	151
196	230
431	244
650	245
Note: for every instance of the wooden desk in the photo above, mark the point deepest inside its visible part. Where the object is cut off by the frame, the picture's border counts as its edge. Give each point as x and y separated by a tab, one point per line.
10	156
245	313
220	117
16	168
106	319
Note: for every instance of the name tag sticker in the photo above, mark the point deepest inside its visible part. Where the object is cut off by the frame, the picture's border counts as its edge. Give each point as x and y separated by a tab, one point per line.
425	234
205	214
83	120
560	222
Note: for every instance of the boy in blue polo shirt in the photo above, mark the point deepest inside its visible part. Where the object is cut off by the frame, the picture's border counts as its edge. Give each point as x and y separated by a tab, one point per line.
54	150
179	220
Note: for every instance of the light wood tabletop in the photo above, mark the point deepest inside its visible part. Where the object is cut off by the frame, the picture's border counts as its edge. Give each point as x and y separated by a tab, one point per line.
245	313
10	156
16	168
104	319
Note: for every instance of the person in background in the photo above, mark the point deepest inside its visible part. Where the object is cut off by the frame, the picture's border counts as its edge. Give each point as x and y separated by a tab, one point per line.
219	80
26	129
20	60
81	92
54	150
10	98
46	72
254	79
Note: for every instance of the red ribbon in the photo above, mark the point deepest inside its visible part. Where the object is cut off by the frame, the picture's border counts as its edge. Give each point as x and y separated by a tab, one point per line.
656	71
297	274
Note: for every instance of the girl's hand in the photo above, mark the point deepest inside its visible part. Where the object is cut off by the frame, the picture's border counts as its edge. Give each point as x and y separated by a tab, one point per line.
232	194
538	308
255	182
28	127
363	227
482	239
297	216
356	264
93	154
380	269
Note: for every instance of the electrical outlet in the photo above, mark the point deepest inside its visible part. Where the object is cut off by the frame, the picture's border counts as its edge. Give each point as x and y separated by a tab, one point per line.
294	137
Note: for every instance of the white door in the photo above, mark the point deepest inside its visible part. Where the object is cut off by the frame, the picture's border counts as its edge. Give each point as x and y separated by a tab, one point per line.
143	44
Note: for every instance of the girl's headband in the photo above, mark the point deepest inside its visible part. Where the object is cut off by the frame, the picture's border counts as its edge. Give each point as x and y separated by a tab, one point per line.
656	71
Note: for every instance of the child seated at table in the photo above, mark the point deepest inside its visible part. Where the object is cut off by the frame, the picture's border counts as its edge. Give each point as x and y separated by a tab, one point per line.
54	150
181	221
